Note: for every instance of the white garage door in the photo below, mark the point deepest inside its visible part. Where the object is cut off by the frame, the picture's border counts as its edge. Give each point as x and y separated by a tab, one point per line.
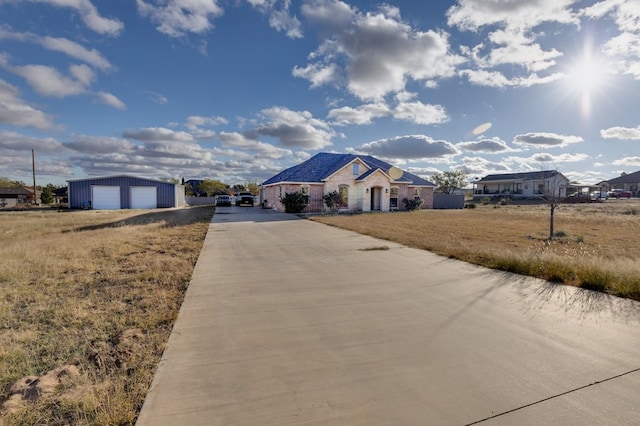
105	197
144	197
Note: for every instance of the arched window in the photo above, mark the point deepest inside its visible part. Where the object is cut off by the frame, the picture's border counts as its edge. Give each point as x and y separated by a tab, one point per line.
343	190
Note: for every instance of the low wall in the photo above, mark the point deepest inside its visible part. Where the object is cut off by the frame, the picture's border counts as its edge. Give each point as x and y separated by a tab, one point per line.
447	201
200	201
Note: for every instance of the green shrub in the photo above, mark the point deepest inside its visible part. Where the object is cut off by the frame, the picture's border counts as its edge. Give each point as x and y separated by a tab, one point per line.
412	204
486	201
333	200
294	202
470	206
559	234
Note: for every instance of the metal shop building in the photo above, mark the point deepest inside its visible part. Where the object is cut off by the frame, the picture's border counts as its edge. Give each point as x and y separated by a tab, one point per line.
124	192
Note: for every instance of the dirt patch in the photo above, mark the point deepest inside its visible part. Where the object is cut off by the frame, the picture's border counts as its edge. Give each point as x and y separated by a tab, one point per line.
32	388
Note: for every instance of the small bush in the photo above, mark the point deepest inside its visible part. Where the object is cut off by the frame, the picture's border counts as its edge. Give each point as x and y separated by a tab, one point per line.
412	204
632	212
294	202
559	234
579	239
333	200
486	201
470	206
504	201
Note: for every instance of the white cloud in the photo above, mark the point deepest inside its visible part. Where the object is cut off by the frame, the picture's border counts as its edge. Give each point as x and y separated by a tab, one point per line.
623	133
413	147
420	113
13	141
194	122
279	18
111	100
155	134
363	114
517	48
295	129
625	47
545	158
157	97
101	145
89	15
49	82
75	50
491	145
546	139
176	18
473	14
625	13
478	167
318	74
375	52
262	149
628	161
16	112
486	78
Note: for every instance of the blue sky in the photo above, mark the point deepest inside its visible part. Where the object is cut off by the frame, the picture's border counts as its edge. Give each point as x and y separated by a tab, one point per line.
238	90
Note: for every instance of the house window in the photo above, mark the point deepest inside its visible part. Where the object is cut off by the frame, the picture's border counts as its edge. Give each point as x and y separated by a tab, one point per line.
343	190
280	187
305	193
393	198
355	169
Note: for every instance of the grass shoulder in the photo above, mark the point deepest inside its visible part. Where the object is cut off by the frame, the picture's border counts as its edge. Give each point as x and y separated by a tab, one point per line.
89	297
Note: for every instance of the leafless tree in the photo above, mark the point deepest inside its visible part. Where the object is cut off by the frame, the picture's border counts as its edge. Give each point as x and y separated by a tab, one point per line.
553	191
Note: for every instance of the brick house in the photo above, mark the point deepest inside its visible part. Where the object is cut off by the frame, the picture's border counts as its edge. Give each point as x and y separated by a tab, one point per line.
364	182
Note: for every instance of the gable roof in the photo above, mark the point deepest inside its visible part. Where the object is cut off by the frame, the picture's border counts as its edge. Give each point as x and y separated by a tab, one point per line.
541	175
14	191
322	165
629	178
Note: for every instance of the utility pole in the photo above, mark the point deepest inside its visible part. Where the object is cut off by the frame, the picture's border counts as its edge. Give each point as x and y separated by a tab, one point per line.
33	167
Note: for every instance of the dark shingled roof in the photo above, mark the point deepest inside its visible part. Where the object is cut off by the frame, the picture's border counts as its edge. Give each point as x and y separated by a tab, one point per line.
541	175
14	191
630	178
322	165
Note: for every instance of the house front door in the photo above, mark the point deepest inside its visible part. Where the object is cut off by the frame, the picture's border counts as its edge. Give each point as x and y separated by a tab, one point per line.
375	198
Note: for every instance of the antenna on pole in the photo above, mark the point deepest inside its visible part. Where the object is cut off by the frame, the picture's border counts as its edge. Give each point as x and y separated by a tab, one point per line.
33	167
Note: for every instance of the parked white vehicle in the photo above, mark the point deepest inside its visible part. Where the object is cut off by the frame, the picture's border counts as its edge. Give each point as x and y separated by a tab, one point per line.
599	195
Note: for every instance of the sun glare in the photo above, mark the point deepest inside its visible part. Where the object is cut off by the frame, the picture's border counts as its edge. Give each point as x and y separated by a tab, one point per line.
587	78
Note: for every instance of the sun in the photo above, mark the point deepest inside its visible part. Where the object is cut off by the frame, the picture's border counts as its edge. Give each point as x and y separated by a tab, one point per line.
587	78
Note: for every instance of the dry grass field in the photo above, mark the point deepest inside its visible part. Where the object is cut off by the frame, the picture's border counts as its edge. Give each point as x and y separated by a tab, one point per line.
596	247
87	302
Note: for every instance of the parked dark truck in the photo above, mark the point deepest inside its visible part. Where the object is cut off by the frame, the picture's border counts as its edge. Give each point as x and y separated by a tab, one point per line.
244	199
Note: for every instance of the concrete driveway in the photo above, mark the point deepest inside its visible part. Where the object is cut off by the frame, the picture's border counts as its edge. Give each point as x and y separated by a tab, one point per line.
290	322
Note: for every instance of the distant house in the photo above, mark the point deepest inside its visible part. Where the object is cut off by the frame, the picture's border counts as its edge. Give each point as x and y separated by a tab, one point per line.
364	182
628	182
523	185
13	196
194	184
